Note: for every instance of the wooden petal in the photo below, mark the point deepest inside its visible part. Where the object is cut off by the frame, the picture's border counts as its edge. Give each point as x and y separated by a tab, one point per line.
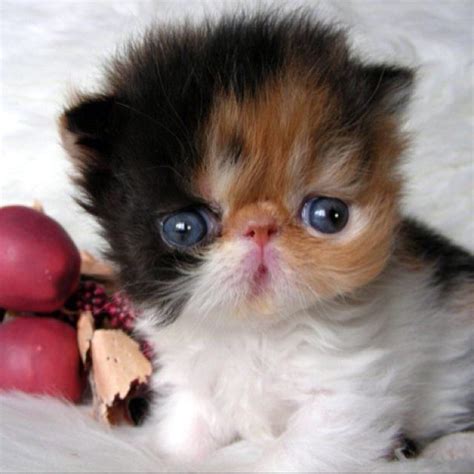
38	206
85	333
92	266
117	362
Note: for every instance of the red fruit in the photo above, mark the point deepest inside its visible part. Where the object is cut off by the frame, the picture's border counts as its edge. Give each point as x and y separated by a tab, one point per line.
39	263
40	355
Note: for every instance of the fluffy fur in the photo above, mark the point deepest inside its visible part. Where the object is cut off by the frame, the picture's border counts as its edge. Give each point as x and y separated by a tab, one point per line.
66	439
330	377
352	340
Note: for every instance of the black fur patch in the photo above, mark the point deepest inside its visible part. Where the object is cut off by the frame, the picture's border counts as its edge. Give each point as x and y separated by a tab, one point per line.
451	263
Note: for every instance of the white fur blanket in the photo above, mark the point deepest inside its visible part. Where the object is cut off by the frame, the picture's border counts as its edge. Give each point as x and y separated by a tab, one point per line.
48	47
49	436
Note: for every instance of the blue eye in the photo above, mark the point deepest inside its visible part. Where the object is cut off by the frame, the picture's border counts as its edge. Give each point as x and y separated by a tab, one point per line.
326	215
184	228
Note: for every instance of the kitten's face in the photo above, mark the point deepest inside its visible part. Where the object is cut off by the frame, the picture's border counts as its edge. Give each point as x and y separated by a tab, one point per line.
303	215
246	197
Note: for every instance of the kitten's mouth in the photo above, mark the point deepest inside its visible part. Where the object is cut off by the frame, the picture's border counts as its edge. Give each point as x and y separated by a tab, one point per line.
261	278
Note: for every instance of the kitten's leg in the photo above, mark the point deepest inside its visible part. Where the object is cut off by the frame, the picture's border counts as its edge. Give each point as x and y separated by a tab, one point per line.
343	432
185	428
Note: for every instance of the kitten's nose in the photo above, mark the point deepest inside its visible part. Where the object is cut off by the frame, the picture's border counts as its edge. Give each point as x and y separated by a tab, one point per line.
261	232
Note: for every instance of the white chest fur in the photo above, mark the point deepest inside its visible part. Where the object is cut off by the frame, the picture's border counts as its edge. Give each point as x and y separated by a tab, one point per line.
221	384
255	379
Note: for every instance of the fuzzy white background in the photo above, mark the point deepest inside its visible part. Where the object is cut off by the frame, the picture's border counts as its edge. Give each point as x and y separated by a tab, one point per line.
49	48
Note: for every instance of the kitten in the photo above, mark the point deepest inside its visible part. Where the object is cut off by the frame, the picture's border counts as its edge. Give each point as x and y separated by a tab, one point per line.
246	177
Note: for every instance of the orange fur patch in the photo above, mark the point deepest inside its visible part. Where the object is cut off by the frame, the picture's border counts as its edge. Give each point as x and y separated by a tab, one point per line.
290	149
276	128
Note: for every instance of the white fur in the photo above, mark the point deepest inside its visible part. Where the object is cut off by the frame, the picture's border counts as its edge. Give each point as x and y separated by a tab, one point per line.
327	389
454	446
41	434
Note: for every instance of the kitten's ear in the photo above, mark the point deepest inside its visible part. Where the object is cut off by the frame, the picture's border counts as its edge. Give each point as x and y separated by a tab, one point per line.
88	129
390	87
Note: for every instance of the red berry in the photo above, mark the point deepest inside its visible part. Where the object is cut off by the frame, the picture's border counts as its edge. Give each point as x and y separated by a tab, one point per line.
120	312
147	349
90	296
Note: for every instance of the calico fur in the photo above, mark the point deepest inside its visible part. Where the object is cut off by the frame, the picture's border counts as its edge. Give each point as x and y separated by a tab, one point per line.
358	338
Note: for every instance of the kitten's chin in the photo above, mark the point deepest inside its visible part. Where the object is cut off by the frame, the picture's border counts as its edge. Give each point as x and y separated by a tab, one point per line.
245	318
259	308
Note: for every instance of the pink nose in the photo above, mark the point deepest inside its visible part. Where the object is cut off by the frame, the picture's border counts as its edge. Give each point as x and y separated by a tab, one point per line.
261	233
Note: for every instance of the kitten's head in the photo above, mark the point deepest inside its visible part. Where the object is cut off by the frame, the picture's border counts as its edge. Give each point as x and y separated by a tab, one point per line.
242	170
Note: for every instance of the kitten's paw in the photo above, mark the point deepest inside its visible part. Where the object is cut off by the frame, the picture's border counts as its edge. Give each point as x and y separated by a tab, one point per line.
185	447
182	433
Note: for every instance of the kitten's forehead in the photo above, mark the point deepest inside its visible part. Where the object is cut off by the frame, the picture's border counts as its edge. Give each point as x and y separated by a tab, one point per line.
264	146
254	147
